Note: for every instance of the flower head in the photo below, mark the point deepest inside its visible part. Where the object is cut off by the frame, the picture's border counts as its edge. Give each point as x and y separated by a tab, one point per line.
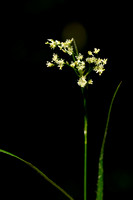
90	81
49	64
99	69
79	56
52	43
60	63
91	60
96	50
72	64
82	67
90	53
66	47
55	58
82	81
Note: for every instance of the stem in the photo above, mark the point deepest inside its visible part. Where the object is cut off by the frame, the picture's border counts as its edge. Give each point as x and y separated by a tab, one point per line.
85	158
73	57
85	147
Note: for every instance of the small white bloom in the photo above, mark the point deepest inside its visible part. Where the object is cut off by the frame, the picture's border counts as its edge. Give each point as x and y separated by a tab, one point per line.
90	53
49	64
81	65
82	81
70	50
72	64
52	43
63	45
66	47
96	50
99	69
91	59
98	61
60	63
90	81
77	62
57	42
104	61
79	57
68	41
55	58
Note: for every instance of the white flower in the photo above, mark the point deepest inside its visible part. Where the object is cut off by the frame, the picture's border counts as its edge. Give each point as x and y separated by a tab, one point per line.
57	42
79	57
90	53
82	81
68	42
98	61
81	65
70	50
99	69
60	63
91	59
104	61
96	50
90	81
52	43
55	58
49	64
66	47
72	64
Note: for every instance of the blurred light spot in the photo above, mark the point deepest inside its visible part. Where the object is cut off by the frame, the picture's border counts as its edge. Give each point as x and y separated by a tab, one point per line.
77	31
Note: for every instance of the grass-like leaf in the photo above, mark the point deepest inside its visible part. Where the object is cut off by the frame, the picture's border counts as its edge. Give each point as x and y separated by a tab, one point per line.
100	167
38	171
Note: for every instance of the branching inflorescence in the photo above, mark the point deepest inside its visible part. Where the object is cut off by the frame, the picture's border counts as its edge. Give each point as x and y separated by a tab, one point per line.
82	67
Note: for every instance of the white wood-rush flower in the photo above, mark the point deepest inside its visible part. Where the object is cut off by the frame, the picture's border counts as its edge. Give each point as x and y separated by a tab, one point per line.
82	81
96	50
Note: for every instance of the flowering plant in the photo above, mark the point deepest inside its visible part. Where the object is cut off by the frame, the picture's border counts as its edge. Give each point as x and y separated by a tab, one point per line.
83	68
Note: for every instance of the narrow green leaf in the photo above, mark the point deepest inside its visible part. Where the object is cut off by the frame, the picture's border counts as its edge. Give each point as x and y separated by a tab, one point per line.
38	171
100	167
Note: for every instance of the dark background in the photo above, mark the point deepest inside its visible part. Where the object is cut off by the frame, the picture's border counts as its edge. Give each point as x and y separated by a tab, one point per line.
41	109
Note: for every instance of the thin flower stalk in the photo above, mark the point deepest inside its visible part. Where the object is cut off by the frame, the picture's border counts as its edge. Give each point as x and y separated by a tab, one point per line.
85	144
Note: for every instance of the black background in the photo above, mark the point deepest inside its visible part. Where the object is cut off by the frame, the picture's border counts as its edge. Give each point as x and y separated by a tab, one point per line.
41	109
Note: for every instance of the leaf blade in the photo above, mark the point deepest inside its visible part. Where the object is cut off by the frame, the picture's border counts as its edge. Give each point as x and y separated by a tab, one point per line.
100	182
39	172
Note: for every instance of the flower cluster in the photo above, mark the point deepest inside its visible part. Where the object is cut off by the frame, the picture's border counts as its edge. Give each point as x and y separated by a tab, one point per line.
66	46
82	67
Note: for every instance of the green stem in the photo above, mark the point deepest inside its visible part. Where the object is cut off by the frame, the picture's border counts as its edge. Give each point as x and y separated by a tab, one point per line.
85	147
73	57
85	158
